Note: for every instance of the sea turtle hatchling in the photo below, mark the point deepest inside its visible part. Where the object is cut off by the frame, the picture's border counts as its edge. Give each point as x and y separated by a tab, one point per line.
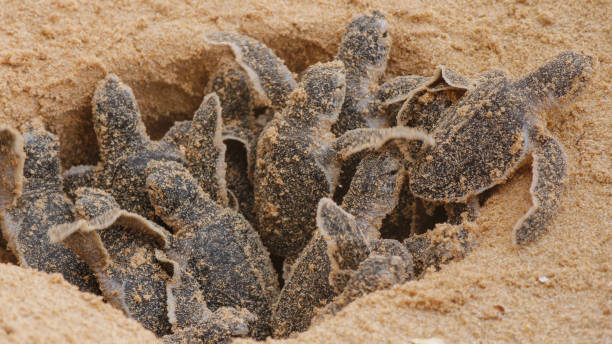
483	138
41	205
341	241
298	159
215	244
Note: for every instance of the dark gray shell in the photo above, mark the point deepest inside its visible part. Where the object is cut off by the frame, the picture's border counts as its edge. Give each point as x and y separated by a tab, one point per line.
214	244
41	206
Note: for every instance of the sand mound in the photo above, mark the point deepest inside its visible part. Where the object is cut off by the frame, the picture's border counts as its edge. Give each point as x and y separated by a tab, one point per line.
43	308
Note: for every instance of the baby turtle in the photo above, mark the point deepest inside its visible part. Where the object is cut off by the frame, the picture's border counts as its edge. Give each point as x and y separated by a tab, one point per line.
422	101
388	264
120	246
216	245
339	244
41	205
298	159
364	51
484	137
125	147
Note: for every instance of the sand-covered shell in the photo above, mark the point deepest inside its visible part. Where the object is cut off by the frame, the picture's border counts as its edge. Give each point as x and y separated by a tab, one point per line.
41	205
214	244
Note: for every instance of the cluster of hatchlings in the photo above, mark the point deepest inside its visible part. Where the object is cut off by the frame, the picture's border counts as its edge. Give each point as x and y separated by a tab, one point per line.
181	233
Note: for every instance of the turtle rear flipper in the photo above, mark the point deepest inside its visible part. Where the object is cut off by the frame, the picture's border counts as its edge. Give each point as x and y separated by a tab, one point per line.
549	171
269	75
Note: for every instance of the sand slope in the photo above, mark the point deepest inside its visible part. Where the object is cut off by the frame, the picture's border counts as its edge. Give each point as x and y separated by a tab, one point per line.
53	54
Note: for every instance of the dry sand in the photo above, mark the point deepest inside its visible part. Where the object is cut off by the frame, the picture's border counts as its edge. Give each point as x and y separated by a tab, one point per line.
556	290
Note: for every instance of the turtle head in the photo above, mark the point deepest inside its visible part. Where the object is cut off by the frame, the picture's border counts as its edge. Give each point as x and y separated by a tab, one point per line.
116	119
170	188
366	43
322	91
42	166
557	80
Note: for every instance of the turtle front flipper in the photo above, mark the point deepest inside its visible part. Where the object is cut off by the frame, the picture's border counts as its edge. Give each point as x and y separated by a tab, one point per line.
205	152
117	121
269	75
120	247
359	140
549	171
425	104
390	96
12	158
